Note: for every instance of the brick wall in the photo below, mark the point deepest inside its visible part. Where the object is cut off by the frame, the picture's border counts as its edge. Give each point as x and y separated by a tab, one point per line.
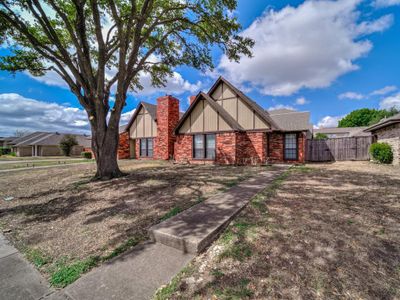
251	148
183	148
226	148
248	148
167	119
123	146
276	144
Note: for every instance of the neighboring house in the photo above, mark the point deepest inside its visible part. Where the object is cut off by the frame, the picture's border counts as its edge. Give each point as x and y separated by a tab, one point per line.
46	144
388	131
337	132
222	126
5	141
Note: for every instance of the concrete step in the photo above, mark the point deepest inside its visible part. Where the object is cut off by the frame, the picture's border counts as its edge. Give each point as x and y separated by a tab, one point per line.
196	228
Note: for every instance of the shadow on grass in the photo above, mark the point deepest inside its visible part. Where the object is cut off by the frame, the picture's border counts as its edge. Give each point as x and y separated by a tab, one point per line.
326	234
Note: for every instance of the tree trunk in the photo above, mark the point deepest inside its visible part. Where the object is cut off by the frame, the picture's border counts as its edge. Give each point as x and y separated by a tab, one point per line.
105	148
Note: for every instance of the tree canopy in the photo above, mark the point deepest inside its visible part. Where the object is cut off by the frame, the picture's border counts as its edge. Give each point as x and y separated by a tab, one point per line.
102	47
366	117
67	143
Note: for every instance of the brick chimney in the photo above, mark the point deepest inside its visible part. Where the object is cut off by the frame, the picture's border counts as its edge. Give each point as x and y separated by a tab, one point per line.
167	119
191	99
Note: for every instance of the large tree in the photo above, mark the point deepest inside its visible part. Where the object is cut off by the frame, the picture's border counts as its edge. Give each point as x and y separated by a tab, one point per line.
366	116
102	47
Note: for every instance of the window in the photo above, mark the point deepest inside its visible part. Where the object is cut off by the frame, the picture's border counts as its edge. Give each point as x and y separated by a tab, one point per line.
204	146
146	147
291	146
210	146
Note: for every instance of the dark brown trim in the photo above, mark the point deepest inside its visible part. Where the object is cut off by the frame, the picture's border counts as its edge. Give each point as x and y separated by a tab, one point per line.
140	104
204	147
260	111
147	147
218	108
297	146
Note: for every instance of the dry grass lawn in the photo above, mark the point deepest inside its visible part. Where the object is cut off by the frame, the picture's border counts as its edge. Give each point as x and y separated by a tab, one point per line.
329	231
61	216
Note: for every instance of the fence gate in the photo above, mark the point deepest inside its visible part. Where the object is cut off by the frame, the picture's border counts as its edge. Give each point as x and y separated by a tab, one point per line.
351	148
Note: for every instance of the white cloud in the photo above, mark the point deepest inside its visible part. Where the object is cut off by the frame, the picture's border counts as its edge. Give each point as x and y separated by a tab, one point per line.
50	78
390	102
308	46
125	117
302	101
329	121
18	112
384	91
386	3
281	106
175	84
351	95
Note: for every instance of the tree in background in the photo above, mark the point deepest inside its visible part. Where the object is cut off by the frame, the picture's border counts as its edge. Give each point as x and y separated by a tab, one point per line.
365	117
20	133
321	136
103	47
66	144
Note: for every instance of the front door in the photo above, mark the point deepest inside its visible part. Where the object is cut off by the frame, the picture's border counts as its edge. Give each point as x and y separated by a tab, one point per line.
132	148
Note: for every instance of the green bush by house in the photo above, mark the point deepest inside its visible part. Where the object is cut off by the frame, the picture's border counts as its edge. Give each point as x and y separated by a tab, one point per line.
381	152
87	155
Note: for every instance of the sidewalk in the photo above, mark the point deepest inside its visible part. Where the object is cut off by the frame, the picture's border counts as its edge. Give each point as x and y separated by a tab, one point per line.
138	273
19	279
194	229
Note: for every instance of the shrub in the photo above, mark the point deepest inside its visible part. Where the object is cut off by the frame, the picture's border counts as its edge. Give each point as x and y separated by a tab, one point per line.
13	154
5	150
381	152
66	144
87	155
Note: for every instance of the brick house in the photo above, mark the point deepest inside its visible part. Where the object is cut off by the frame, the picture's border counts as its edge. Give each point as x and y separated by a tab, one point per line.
388	131
149	133
223	126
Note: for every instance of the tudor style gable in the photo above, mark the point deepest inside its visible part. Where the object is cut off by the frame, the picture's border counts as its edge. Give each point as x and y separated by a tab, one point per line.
143	123
205	115
242	109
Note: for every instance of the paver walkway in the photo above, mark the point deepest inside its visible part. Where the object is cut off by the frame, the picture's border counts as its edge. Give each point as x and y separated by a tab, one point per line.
19	279
194	229
138	273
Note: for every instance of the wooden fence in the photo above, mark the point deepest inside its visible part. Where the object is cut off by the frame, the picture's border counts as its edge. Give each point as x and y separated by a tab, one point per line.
351	148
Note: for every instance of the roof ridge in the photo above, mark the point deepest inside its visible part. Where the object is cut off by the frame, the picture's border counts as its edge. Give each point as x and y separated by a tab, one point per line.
217	107
263	114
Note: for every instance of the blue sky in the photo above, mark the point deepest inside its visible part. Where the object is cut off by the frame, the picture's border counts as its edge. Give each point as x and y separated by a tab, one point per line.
325	57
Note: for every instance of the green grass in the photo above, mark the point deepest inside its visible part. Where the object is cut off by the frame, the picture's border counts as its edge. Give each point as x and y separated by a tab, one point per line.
167	291
122	248
240	291
37	257
240	251
172	212
65	274
64	271
21	164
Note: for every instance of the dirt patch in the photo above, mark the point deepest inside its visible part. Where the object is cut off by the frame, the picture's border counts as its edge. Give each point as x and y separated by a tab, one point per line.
67	217
326	231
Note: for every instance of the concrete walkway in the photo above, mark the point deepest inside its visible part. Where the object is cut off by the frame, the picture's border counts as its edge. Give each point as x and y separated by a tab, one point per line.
135	275
194	229
138	273
18	278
